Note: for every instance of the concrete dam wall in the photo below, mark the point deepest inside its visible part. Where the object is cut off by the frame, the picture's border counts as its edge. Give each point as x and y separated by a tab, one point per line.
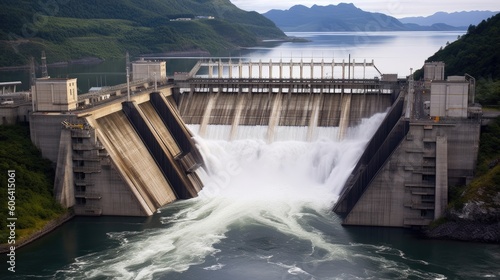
133	161
402	178
387	137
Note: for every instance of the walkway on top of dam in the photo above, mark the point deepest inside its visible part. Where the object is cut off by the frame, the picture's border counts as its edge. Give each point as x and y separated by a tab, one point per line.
292	69
243	76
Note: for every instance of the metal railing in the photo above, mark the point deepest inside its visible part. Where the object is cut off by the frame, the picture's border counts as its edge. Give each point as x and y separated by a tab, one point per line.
111	89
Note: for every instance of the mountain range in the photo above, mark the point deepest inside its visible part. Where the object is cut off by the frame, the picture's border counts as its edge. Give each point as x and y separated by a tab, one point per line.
457	19
347	17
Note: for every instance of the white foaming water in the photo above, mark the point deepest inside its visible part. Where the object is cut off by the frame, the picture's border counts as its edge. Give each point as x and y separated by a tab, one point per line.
282	133
249	182
252	169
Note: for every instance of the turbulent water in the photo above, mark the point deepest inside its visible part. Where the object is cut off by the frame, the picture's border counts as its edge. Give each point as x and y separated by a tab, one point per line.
272	194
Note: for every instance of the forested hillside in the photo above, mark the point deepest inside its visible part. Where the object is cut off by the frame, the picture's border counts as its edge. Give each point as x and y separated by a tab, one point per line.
34	180
477	53
70	29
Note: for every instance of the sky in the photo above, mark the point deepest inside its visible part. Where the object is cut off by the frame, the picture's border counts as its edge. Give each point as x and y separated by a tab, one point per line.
395	8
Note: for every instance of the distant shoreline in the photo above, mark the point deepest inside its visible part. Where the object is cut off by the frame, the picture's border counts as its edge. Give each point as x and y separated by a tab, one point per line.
95	60
292	39
193	53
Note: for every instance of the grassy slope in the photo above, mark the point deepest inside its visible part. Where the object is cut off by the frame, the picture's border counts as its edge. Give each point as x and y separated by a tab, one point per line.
35	205
486	184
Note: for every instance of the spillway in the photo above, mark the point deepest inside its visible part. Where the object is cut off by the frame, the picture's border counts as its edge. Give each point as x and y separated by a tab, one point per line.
313	113
132	155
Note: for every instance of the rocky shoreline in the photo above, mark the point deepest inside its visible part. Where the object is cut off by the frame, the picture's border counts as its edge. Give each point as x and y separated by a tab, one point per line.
466	231
475	222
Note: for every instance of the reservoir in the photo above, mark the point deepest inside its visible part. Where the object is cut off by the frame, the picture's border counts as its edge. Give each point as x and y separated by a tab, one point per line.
392	53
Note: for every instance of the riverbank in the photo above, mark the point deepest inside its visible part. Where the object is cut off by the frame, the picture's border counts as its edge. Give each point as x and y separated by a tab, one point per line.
46	229
290	39
33	210
476	221
192	53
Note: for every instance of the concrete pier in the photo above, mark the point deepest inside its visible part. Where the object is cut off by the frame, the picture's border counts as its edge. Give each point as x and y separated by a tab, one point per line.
410	187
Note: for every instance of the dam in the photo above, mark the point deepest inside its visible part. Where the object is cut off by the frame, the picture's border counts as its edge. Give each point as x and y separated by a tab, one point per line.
129	153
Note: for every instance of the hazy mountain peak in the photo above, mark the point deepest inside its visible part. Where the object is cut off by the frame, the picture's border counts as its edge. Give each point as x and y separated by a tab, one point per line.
347	5
296	7
341	17
458	19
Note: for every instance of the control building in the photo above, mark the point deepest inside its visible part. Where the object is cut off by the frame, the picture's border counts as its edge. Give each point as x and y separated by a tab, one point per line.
433	71
450	98
55	95
149	70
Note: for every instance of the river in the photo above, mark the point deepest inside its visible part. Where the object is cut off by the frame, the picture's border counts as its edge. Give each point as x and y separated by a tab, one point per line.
265	212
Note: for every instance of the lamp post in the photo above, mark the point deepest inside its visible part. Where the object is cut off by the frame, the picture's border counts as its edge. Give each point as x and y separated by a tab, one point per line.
154	75
128	85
